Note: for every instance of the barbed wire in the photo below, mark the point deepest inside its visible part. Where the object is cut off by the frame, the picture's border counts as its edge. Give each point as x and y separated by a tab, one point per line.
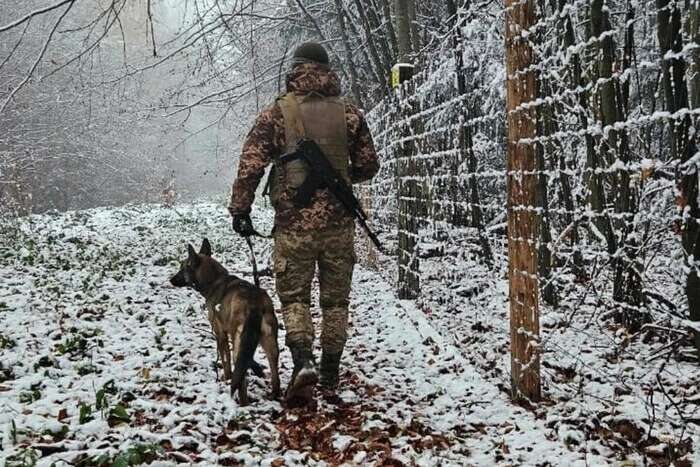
608	215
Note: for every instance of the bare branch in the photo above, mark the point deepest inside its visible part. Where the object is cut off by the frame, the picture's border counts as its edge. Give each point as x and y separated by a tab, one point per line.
94	44
33	14
150	23
16	46
38	59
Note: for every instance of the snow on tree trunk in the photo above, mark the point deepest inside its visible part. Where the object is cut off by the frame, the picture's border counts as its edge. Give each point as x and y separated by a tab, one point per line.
523	186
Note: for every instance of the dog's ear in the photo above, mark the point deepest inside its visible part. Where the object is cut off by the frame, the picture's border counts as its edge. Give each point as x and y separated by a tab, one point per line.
206	248
191	254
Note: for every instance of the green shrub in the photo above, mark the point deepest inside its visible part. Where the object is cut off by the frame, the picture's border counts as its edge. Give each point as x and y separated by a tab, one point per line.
85	414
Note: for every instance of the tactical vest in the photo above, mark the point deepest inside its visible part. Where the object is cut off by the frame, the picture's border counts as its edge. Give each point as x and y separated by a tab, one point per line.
321	119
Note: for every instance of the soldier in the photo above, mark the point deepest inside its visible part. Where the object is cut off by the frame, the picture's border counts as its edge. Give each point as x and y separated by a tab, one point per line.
321	234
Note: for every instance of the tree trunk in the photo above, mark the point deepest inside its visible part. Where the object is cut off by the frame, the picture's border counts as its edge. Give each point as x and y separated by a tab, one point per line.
612	102
383	62
387	44
389	25
377	74
474	198
521	88
689	184
605	52
544	266
545	127
673	74
403	30
607	100
683	146
352	71
564	179
693	31
407	192
415	37
466	144
628	279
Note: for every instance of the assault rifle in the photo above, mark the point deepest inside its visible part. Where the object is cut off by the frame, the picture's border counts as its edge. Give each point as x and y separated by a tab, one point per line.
321	174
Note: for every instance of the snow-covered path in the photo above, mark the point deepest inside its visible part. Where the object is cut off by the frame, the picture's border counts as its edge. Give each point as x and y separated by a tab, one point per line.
428	383
102	364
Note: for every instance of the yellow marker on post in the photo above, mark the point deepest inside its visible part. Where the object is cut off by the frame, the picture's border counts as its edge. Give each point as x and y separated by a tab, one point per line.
400	73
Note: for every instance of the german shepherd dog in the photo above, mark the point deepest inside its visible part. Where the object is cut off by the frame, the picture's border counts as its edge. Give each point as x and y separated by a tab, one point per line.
239	312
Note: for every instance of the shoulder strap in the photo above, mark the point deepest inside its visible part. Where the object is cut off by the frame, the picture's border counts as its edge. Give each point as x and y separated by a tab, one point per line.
291	113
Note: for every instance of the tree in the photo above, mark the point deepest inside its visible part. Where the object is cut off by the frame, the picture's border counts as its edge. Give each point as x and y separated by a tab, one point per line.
682	147
403	30
466	137
521	86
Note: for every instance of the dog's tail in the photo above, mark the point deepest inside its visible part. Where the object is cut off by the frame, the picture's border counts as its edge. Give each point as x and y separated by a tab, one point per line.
250	337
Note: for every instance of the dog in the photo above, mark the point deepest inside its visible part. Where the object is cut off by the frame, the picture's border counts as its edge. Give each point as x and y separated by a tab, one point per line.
239	312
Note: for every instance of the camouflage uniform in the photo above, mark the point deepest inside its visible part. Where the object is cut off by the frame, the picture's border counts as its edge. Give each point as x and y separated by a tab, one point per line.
295	258
266	140
320	234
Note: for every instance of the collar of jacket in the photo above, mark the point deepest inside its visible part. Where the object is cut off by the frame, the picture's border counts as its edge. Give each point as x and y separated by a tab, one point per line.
313	77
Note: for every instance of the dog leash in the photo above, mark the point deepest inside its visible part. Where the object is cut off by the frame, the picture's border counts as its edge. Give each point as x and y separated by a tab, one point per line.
256	278
261	235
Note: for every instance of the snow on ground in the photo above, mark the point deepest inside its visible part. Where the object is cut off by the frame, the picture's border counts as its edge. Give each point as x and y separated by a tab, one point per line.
102	363
623	395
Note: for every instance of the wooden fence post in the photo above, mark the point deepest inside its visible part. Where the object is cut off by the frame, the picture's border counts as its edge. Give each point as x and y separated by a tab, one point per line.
521	88
407	192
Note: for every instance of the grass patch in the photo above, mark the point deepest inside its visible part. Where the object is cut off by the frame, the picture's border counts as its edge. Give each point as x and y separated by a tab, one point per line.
45	362
7	342
24	458
84	413
86	369
33	394
108	388
77	343
59	435
138	454
73	345
118	415
6	374
165	261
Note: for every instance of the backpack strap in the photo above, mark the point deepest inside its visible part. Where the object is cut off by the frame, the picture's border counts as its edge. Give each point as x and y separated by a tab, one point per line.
294	125
293	129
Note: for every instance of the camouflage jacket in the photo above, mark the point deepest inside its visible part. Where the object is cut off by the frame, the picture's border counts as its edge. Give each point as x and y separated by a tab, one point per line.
266	141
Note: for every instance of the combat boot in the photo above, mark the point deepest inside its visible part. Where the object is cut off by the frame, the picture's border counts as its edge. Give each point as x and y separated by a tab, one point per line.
330	367
304	376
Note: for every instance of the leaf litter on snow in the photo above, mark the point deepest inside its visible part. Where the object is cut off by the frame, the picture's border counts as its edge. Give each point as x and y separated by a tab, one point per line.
102	363
610	395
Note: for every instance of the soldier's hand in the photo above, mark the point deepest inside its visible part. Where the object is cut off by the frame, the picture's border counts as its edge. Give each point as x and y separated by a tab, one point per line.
242	225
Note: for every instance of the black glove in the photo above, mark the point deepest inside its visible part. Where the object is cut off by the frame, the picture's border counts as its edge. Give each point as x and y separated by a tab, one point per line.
242	225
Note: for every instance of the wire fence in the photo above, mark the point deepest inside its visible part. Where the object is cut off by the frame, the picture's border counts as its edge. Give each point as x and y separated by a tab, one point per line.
616	110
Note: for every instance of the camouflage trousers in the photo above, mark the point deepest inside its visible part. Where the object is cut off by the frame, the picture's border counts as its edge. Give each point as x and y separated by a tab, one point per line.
297	254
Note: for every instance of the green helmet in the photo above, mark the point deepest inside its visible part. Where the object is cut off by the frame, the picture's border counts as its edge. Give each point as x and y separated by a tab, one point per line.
310	52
